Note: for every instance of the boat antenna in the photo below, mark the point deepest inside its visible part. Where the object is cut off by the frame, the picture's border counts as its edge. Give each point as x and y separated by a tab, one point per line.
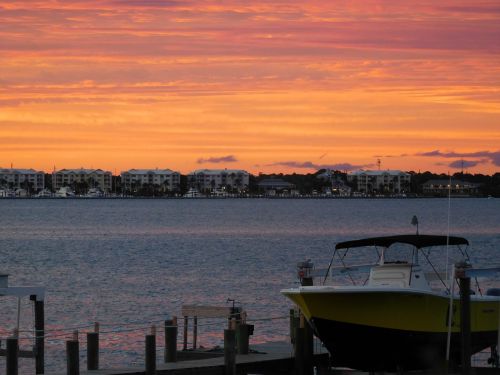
414	221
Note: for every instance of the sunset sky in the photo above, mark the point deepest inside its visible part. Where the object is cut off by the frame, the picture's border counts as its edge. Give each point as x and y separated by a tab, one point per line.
266	86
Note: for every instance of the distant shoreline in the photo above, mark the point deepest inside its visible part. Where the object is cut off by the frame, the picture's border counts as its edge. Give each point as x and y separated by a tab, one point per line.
238	197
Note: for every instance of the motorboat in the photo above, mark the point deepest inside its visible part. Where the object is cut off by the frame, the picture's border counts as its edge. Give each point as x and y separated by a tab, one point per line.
94	193
44	194
193	193
395	315
64	192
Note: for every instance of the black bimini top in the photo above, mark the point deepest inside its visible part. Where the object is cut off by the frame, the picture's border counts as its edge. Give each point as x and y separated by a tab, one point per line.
417	240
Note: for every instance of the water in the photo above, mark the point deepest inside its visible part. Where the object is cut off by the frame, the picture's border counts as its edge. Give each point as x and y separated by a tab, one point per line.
126	262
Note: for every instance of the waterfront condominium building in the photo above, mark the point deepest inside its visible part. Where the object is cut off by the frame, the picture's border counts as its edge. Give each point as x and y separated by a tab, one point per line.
210	179
27	179
94	178
388	181
165	179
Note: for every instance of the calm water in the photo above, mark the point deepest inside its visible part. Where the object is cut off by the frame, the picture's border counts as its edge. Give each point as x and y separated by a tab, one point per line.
126	262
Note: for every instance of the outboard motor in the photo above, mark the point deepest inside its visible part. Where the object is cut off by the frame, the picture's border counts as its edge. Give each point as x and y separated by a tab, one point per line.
304	272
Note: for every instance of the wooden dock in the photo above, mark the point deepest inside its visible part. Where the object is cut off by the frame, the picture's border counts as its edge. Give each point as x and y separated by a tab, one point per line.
268	358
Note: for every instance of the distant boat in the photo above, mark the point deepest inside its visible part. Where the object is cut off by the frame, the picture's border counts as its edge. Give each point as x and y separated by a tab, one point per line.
44	194
193	193
94	193
64	192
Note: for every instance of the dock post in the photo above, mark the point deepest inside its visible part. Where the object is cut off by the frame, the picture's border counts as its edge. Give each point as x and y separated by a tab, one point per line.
195	331
150	360
292	325
243	335
170	340
299	347
308	348
12	354
73	355
93	348
230	349
40	334
465	329
185	344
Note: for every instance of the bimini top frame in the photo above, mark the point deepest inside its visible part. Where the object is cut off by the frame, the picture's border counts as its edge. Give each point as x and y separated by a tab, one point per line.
417	240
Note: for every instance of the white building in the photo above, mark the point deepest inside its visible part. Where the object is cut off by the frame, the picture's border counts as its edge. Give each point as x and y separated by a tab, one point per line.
93	178
166	179
388	181
211	179
27	179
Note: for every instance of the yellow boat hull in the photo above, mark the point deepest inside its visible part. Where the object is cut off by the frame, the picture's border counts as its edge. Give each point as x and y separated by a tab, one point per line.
387	330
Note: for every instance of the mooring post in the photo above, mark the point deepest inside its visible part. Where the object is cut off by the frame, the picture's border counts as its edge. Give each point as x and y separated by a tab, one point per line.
170	340
185	343
195	331
12	354
93	348
150	357
465	328
308	348
299	347
39	334
243	335
292	325
230	349
73	355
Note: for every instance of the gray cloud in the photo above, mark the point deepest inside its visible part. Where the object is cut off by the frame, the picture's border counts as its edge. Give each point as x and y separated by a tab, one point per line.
311	165
487	156
458	164
221	159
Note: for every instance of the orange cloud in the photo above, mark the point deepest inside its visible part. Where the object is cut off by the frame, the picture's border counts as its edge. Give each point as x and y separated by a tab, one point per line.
121	84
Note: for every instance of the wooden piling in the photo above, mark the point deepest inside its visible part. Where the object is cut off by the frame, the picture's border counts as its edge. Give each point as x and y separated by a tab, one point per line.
170	353
242	338
195	331
292	325
464	282
299	347
40	335
73	355
230	351
93	348
308	348
12	360
185	343
150	355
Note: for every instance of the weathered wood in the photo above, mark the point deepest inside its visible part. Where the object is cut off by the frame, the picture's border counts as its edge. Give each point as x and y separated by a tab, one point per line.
242	338
299	347
195	331
308	348
185	343
229	352
12	354
92	350
206	311
40	335
150	355
292	326
170	354
72	357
